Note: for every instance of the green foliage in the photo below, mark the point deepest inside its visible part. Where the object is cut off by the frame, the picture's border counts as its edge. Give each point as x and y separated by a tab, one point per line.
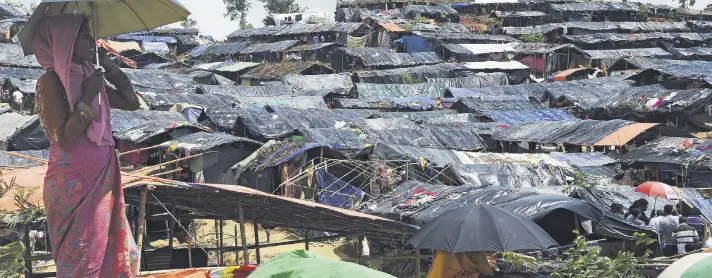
407	27
188	23
580	181
644	9
282	6
12	260
532	38
585	261
237	9
420	19
246	25
408	79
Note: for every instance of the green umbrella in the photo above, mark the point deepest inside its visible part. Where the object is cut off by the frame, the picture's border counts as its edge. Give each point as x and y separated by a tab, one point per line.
107	17
304	264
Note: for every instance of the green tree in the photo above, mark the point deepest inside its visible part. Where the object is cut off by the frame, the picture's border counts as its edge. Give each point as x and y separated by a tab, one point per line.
280	7
237	10
188	23
247	25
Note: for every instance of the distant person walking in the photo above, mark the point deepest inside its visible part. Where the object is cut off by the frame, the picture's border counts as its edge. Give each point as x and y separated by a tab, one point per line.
89	232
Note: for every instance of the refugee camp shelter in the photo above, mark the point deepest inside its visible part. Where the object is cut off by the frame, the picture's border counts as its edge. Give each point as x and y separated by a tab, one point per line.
677	161
212	154
20	132
371	58
276	71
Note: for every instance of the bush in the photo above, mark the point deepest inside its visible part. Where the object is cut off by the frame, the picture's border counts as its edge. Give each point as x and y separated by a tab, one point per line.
533	38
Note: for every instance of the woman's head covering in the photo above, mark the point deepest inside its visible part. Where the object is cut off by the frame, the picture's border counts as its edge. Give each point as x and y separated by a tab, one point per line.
54	48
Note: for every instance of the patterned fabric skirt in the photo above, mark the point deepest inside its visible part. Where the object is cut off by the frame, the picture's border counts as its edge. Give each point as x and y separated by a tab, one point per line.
89	233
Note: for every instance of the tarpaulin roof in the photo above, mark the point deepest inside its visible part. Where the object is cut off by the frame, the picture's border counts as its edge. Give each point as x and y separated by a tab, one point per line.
146	38
391	26
276	71
460	139
21	73
28	86
339	83
595	7
269	47
311	47
245	33
604	195
319	118
591	39
122	119
236	66
7	11
675	68
494	65
654	52
700	26
204	141
414	10
144	132
283	101
338	139
442	116
673	150
333	27
390	123
502	14
530	116
421	138
645	99
219	49
246	91
585	93
479	49
158	80
539	29
399	75
412	103
166	100
692	53
371	91
589	132
11	124
469	37
381	56
694	199
12	55
473	81
509	176
258	124
481	106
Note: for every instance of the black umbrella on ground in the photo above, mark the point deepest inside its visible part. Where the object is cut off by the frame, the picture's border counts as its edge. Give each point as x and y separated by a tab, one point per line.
481	227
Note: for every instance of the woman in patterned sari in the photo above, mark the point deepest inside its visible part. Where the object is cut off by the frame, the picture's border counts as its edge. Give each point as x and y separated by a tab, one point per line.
89	233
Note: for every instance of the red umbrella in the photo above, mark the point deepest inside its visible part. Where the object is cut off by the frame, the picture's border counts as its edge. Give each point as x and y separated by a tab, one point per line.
657	189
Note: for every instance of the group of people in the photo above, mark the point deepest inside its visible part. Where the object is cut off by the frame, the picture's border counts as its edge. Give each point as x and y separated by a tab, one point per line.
676	233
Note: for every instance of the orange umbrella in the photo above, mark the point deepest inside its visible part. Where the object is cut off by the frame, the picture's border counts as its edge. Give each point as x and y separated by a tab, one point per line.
658	189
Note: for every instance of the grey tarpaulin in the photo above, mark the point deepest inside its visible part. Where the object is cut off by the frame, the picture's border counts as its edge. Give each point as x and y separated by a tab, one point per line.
269	47
670	150
509	176
318	118
144	132
220	49
276	102
20	133
436	157
222	118
611	54
674	68
260	125
442	116
585	94
12	55
338	139
586	132
691	53
21	73
388	103
344	58
422	138
374	91
466	37
529	116
412	11
164	101
473	81
460	139
247	91
339	83
158	81
618	41
122	119
595	7
635	103
480	106
694	199
203	141
392	123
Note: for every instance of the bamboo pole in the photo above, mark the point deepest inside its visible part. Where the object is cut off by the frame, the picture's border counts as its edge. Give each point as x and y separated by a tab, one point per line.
417	263
35	159
190	251
139	150
257	241
141	223
237	248
222	256
306	239
243	237
165	163
166	172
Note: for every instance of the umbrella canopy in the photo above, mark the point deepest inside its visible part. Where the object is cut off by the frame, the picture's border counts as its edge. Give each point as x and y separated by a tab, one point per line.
304	264
481	227
690	266
657	189
108	17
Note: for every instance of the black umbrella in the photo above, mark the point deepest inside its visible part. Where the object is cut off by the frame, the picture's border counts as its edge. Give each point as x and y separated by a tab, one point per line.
481	227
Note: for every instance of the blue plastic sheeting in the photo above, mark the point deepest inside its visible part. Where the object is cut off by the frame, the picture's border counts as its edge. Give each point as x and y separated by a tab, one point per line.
415	44
192	114
146	38
693	198
530	116
337	193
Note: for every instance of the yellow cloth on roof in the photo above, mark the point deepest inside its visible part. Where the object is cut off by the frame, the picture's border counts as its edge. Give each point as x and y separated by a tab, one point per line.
123	46
460	265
